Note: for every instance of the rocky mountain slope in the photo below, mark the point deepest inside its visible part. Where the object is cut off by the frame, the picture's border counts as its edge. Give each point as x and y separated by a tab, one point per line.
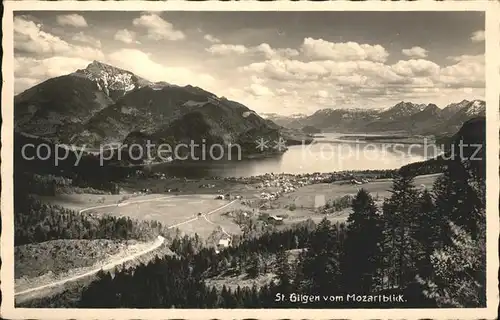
104	104
404	117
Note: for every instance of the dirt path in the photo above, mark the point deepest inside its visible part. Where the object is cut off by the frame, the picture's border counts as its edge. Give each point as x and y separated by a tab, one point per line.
106	267
111	265
222	229
205	216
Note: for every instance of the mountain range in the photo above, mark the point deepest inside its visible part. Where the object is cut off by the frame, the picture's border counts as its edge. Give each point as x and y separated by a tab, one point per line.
405	117
104	104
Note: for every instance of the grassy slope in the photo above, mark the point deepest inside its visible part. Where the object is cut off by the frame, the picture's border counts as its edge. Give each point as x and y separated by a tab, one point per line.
59	256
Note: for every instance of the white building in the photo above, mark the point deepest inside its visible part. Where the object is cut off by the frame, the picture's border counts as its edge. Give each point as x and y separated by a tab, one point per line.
224	243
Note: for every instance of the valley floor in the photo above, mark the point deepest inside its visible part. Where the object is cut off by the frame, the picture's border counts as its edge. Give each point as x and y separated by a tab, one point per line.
176	207
192	210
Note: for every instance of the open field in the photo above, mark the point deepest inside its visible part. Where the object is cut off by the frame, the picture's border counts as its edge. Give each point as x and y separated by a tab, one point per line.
169	210
84	200
187	186
308	196
186	210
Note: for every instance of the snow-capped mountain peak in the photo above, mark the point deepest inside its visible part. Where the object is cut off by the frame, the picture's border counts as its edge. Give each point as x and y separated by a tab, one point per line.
476	107
112	80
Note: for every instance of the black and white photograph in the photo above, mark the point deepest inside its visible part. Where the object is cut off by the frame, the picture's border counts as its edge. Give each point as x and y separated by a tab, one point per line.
248	159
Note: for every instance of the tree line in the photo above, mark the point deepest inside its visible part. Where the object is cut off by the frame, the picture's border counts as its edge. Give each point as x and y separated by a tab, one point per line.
36	222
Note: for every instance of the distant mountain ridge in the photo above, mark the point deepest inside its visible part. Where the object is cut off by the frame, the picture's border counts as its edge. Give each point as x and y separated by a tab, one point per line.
411	118
104	104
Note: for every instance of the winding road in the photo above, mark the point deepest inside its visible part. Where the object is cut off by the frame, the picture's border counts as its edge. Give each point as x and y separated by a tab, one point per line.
106	267
159	241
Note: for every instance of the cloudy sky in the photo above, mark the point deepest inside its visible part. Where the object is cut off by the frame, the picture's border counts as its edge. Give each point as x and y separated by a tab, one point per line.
283	62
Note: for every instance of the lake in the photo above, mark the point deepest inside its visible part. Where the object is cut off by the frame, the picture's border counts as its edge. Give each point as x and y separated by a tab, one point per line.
327	153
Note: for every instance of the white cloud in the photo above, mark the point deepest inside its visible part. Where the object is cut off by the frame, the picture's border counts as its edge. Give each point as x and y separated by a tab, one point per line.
468	71
72	20
271	53
28	71
317	74
322	94
81	37
259	90
143	65
365	82
319	49
264	49
478	36
158	28
27	67
286	70
29	38
227	49
257	79
415	52
211	38
282	91
418	67
126	36
296	70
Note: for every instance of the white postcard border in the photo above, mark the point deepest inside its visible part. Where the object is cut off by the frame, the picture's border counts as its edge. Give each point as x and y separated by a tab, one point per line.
492	29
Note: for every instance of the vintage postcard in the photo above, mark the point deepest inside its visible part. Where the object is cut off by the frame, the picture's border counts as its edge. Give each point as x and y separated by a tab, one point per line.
250	160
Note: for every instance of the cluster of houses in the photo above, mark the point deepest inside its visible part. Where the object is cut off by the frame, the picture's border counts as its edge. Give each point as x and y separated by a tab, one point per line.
297	180
207	186
227	196
355	181
288	182
269	195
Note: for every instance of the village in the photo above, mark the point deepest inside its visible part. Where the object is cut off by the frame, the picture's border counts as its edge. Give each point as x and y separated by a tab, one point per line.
265	202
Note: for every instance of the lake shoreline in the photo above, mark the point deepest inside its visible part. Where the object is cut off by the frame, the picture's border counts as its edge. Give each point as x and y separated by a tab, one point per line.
390	139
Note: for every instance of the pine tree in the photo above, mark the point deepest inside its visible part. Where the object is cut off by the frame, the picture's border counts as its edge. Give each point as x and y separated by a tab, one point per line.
362	245
399	216
255	265
299	282
456	201
283	272
426	232
459	271
458	274
321	261
254	298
